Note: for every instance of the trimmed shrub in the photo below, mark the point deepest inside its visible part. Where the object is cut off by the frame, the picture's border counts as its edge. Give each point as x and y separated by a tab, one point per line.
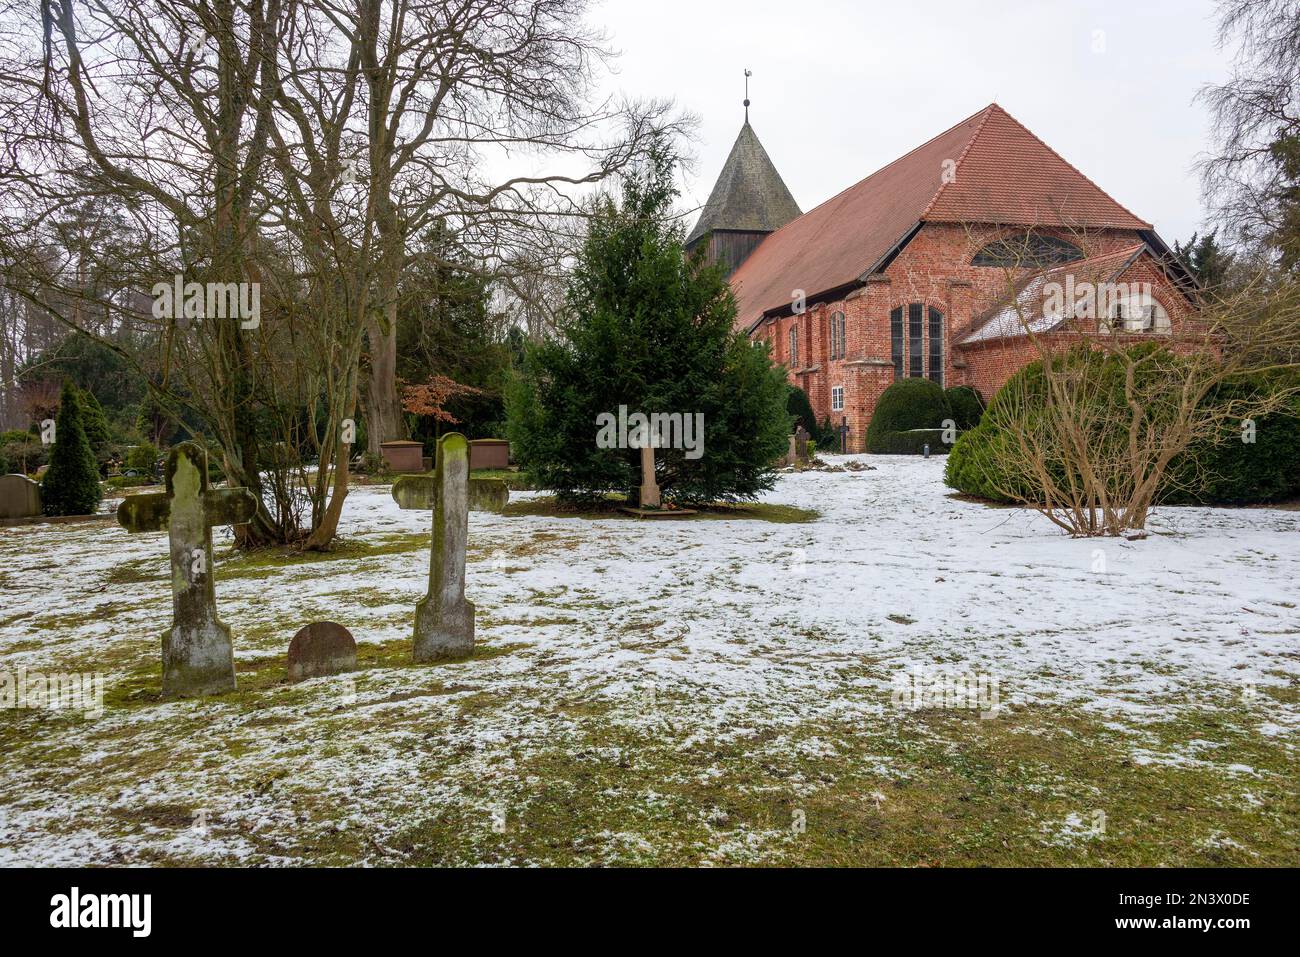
128	481
912	442
967	406
1224	470
71	484
142	458
648	330
798	406
907	406
1230	471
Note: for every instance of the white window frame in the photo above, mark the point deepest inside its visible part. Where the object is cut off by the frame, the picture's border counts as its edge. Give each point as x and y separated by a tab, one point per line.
837	391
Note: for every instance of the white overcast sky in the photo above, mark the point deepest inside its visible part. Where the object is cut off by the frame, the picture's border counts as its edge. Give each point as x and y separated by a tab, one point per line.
841	88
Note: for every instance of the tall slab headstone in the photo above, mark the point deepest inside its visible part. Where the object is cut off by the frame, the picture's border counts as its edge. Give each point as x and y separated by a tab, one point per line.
198	656
444	618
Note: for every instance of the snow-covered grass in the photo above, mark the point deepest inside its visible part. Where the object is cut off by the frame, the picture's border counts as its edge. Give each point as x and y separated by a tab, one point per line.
699	691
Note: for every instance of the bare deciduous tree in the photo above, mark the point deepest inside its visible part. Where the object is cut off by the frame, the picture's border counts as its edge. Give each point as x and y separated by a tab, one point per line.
1126	390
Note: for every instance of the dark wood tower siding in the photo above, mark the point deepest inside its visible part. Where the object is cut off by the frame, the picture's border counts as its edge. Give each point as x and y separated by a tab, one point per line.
729	247
749	201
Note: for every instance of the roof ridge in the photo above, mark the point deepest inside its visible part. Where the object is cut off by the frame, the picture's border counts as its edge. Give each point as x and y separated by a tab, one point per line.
1074	169
1122	251
987	111
893	162
1129	255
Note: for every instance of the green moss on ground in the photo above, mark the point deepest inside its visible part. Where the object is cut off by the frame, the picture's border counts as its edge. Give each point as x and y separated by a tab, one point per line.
548	507
932	789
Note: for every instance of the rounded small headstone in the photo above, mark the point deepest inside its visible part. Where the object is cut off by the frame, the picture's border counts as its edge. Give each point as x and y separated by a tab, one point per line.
321	648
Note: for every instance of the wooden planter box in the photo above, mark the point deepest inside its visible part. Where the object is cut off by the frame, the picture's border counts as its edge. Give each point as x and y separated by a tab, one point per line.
404	456
489	454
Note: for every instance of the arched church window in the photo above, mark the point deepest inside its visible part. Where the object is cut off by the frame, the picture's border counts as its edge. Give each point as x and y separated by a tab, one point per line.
837	335
1027	251
934	367
917	344
794	346
896	341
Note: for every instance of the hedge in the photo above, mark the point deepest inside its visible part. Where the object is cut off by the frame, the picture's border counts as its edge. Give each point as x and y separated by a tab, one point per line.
967	406
907	416
1224	470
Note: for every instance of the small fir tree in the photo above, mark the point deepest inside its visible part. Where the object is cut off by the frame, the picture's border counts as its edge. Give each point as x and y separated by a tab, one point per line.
649	329
71	483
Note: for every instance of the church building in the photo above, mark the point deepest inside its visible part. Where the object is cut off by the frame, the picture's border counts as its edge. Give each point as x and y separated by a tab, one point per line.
922	268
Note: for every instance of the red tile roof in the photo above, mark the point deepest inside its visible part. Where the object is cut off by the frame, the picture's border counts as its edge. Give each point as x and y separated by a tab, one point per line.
1000	173
1025	305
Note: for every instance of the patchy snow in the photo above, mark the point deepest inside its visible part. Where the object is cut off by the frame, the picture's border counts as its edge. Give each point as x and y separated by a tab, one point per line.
725	627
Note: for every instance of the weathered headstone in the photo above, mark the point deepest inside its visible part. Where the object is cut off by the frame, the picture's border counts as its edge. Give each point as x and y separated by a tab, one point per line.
801	443
321	648
198	657
419	492
444	619
20	497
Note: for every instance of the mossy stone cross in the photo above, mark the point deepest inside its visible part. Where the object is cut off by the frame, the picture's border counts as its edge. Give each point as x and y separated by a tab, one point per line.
198	657
444	618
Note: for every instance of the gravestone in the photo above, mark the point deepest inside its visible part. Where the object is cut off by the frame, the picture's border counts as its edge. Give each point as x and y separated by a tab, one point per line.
321	648
801	443
20	497
198	657
418	492
444	618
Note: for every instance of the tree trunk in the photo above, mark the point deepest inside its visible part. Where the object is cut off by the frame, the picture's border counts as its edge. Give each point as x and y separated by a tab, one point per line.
384	420
324	533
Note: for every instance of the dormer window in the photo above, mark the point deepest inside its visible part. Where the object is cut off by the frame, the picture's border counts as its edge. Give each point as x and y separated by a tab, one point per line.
1138	314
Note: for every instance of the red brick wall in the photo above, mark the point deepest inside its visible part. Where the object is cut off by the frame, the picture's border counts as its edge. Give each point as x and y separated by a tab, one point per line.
934	269
991	364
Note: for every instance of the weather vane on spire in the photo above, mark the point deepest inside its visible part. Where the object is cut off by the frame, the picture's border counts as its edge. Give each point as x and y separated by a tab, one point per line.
748	74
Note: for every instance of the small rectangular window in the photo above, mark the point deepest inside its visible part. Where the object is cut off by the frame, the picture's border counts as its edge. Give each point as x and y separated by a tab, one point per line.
837	398
794	345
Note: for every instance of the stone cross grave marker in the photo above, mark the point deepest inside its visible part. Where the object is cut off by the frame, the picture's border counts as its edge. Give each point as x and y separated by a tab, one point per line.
198	657
444	618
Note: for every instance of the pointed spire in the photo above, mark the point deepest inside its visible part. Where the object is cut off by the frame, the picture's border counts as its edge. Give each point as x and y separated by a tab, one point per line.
749	195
